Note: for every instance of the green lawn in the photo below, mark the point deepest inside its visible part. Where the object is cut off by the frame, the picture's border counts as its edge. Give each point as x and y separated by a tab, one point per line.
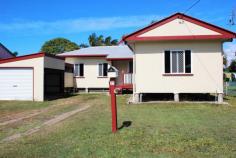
157	130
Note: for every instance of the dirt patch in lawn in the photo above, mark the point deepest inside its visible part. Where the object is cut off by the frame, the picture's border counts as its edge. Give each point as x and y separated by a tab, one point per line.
31	115
17	116
22	116
50	122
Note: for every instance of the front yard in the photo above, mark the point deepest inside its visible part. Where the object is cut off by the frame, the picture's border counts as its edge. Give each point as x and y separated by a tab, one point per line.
164	130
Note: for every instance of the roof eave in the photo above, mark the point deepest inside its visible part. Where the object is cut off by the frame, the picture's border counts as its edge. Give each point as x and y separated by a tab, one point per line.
180	38
112	59
92	55
30	56
134	36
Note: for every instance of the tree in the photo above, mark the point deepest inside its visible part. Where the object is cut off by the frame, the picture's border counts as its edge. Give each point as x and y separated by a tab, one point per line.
225	60
153	21
232	66
114	42
95	40
58	45
92	39
83	45
100	41
109	42
15	53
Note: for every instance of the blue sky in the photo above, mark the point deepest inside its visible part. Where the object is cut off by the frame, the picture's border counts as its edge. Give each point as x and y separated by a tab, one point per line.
26	24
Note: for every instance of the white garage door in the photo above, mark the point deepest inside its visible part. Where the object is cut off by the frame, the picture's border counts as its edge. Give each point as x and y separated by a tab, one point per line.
16	84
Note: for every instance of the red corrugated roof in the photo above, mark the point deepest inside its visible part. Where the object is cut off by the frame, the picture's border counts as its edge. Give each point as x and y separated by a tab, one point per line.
30	56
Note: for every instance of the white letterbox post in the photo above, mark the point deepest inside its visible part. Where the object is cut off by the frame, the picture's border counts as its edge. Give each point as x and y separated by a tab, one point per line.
112	72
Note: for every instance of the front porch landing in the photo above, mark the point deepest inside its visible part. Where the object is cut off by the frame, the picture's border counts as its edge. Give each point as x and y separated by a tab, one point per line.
125	86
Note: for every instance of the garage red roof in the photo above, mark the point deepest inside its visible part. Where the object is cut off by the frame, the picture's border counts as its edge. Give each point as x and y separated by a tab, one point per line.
30	56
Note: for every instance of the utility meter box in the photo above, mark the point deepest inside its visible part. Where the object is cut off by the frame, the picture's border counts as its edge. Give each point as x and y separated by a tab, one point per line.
112	72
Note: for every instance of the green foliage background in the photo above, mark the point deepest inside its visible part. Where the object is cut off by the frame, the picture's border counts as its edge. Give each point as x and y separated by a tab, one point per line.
59	45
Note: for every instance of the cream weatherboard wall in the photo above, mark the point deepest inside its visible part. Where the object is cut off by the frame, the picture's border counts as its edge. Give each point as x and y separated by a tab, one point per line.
91	78
207	67
38	68
179	27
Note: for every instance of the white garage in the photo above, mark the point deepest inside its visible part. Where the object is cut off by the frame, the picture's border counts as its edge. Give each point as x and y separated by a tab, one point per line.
16	83
29	77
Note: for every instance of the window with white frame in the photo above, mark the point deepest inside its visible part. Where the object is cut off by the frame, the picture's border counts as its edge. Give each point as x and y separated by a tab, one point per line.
102	69
178	61
79	70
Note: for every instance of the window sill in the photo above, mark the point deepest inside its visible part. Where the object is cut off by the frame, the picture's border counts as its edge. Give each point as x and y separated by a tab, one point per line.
79	77
177	74
102	77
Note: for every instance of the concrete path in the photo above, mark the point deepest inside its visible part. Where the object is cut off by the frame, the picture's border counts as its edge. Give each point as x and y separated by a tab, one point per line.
50	122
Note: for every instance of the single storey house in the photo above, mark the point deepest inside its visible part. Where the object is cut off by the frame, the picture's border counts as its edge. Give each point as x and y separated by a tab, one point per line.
91	65
179	54
34	77
5	53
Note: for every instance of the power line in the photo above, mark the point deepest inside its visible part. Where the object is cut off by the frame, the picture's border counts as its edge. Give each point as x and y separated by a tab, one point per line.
192	6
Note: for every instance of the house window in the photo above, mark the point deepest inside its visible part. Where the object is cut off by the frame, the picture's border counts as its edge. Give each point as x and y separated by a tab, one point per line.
130	66
102	69
79	70
187	61
178	61
69	68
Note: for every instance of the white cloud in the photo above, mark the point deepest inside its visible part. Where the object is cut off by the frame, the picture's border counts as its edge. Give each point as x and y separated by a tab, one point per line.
76	25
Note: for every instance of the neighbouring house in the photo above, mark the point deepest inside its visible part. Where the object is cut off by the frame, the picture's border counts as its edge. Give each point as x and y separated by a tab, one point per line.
34	77
179	54
91	65
5	53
